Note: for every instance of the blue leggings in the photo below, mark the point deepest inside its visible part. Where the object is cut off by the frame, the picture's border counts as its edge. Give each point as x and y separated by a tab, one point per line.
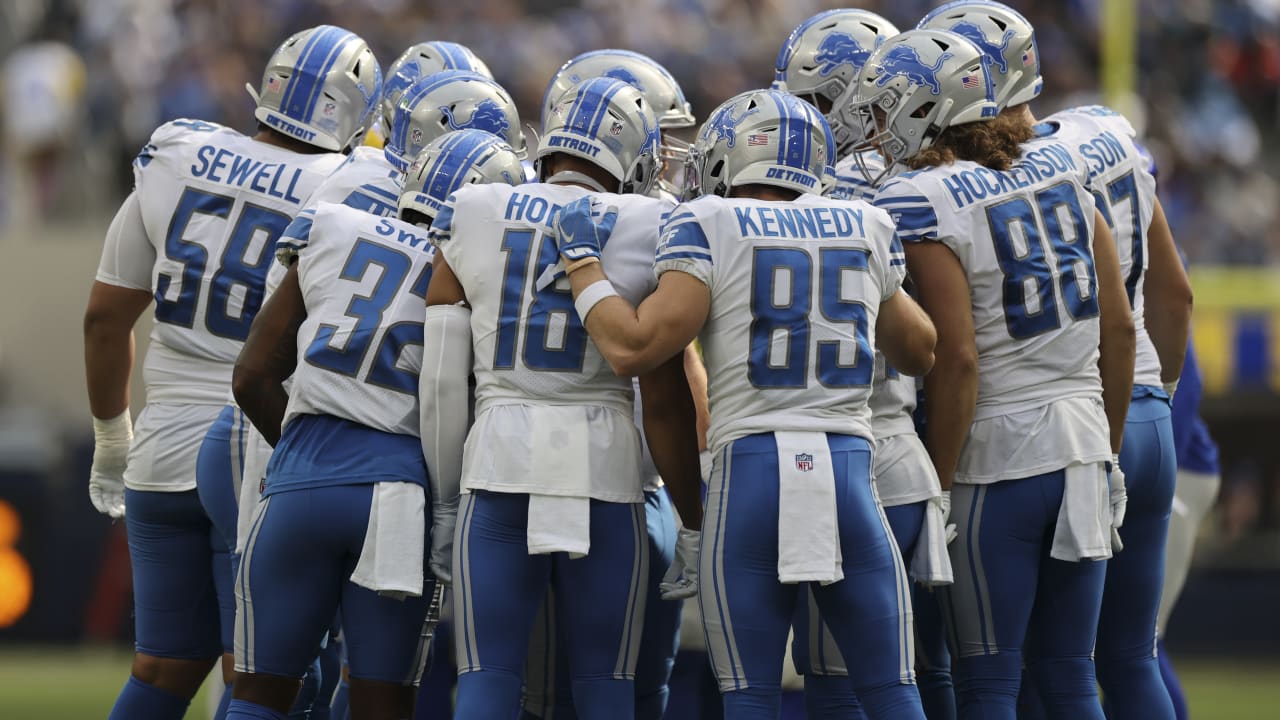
295	575
1128	669
178	562
548	693
747	612
827	690
1009	592
219	469
599	606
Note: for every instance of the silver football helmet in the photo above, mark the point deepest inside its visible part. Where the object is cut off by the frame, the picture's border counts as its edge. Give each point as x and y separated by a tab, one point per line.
464	157
764	137
320	86
659	88
1004	36
914	87
448	101
422	60
821	59
609	123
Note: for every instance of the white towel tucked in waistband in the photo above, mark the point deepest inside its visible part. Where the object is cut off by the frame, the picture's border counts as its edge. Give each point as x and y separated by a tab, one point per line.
391	560
808	536
559	524
1084	518
930	562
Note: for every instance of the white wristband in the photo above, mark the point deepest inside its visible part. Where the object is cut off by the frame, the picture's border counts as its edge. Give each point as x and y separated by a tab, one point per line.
1170	388
118	429
594	293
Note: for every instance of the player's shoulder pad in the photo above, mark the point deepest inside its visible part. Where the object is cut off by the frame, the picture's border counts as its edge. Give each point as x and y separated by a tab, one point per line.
176	135
1103	118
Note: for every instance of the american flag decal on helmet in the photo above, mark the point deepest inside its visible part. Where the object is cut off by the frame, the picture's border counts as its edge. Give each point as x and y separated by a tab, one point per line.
757	140
970	82
1029	57
804	462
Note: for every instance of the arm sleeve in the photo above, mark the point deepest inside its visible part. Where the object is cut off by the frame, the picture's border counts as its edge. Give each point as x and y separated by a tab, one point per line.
295	237
887	249
683	246
128	257
444	396
911	210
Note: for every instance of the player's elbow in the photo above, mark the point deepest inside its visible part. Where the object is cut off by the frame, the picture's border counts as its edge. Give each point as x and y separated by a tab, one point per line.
629	361
958	365
247	384
911	351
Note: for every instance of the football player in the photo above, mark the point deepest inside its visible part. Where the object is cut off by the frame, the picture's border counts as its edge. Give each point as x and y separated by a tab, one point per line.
197	235
1124	190
1018	271
764	269
419	61
819	63
551	470
343	521
547	690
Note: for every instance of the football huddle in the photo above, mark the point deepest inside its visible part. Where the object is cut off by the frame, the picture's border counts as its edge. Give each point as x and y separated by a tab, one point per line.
408	373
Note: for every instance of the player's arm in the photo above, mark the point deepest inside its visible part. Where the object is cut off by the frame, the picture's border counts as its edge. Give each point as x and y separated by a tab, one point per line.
671	429
118	297
696	373
951	387
269	357
1117	341
443	395
108	345
637	340
1167	296
906	335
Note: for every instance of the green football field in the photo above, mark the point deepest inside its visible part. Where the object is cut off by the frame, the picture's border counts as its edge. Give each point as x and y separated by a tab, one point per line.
81	684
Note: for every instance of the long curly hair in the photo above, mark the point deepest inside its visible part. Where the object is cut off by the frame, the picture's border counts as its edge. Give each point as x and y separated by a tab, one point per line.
991	143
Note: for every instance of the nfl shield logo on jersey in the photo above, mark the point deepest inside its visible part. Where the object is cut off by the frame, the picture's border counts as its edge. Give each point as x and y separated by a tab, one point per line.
804	462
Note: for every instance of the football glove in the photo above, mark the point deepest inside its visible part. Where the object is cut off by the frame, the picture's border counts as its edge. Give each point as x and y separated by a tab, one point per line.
444	518
581	231
943	505
681	580
111	441
1119	501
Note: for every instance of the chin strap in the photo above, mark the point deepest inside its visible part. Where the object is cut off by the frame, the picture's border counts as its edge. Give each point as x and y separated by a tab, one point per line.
572	176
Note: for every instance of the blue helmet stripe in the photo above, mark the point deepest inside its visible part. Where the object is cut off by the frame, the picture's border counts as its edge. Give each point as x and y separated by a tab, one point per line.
296	79
446	147
313	65
339	46
585	106
784	129
604	106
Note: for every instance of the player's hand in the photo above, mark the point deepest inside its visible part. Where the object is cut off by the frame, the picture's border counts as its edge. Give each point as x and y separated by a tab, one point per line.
942	505
444	518
582	230
1119	501
111	441
681	580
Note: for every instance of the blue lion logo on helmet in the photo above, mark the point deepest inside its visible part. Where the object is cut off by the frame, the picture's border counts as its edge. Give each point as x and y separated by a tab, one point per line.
725	124
838	49
904	60
621	73
488	116
993	51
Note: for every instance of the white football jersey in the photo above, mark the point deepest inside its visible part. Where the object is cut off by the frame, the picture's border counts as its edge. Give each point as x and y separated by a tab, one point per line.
1125	191
531	351
366	181
1024	237
364	282
851	184
795	289
893	399
213	203
893	396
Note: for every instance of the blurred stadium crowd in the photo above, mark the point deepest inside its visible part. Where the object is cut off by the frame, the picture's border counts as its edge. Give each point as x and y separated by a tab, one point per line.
85	81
